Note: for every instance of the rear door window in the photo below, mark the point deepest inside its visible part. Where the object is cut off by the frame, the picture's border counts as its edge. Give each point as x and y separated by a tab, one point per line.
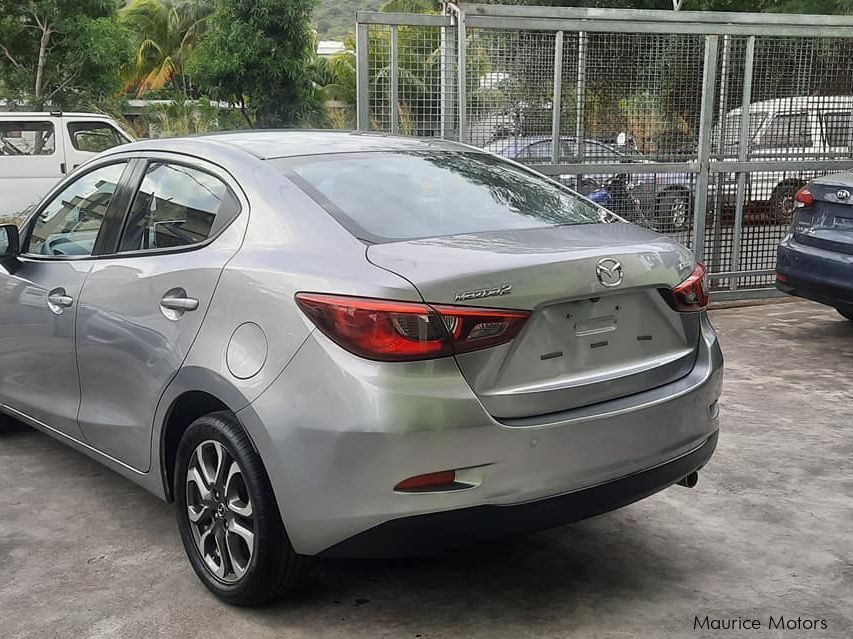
177	206
386	197
27	138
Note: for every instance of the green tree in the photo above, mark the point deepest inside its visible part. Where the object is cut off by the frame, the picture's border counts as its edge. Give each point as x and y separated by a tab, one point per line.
60	51
164	33
256	53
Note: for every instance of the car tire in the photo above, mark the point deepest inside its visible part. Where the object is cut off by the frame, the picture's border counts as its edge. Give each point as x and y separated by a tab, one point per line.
846	313
782	203
674	210
223	499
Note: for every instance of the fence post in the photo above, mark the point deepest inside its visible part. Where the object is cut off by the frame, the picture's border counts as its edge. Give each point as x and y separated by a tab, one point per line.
556	101
706	123
361	78
393	78
715	262
580	100
448	58
462	90
742	156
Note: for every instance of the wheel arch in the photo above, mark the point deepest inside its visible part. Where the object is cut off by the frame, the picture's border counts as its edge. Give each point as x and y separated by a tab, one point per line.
675	188
191	395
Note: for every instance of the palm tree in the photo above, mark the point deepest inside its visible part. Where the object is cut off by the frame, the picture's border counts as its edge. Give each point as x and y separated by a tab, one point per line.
166	31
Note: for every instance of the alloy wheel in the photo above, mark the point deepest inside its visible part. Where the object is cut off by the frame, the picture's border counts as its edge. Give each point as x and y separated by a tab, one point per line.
220	511
678	213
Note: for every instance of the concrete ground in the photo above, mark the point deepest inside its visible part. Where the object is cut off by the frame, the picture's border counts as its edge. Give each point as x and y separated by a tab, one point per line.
768	531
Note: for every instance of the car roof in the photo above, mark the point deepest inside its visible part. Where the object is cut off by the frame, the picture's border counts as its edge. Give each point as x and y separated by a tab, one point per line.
520	141
798	103
12	115
271	144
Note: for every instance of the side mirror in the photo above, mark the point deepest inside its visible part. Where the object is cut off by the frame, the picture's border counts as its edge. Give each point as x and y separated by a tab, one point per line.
10	242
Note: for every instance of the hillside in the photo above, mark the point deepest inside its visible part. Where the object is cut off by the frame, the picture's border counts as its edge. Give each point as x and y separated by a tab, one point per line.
335	19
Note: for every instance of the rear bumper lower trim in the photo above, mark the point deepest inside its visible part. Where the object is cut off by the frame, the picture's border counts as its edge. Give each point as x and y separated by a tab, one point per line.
434	532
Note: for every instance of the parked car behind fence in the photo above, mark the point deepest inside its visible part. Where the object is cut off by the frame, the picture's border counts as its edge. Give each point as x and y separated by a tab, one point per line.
665	199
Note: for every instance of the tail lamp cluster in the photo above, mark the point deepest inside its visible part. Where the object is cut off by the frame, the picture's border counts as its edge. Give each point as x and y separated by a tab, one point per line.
394	331
804	197
692	294
388	330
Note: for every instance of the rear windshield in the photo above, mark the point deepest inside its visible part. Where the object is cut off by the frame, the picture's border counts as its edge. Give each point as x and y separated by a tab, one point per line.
388	197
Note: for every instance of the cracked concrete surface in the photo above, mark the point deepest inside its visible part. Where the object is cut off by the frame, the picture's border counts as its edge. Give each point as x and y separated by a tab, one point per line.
768	531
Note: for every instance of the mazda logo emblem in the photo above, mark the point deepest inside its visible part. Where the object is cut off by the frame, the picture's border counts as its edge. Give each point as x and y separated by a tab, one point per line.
843	194
609	272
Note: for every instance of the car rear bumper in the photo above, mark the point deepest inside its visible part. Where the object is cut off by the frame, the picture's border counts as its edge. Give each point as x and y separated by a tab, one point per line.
815	273
337	433
437	531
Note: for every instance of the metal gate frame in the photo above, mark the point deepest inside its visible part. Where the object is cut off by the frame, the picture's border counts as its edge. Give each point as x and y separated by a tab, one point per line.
717	29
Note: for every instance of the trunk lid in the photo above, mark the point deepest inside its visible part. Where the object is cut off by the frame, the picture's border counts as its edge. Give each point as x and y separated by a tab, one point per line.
828	223
584	342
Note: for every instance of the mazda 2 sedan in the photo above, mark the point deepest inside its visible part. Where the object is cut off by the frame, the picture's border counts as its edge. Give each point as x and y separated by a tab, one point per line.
325	343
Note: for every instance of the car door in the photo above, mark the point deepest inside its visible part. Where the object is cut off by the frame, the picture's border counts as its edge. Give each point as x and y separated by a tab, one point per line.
39	296
30	162
141	307
85	138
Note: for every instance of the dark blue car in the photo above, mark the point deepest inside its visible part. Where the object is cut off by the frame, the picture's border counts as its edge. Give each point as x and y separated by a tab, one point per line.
815	259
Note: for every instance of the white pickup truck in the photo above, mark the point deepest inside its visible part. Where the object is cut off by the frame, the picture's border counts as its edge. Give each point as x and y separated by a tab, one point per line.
38	149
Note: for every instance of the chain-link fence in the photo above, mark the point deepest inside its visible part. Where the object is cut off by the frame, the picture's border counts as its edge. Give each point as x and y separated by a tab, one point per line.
700	125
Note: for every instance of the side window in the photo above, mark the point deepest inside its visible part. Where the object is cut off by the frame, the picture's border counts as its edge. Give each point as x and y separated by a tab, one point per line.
790	130
537	153
838	128
600	154
94	136
27	138
177	206
69	224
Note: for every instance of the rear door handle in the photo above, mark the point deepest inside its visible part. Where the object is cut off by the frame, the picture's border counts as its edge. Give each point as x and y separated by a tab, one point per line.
60	299
176	303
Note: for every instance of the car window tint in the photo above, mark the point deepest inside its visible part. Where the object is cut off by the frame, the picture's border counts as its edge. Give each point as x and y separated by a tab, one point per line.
787	131
27	138
94	136
177	206
838	128
397	196
69	224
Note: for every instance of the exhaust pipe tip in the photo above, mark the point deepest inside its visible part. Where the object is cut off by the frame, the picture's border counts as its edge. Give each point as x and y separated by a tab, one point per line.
690	480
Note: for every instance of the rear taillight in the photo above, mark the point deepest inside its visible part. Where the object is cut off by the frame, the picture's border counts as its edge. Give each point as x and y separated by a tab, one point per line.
804	197
387	330
692	294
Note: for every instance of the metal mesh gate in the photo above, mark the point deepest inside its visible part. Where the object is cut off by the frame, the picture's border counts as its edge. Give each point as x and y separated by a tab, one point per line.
701	125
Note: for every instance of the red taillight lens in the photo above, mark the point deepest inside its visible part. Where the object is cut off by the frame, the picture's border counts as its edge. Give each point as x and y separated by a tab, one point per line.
804	197
692	294
387	330
474	328
430	480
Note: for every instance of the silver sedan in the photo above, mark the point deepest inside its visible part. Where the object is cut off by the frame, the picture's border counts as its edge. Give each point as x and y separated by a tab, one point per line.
322	343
